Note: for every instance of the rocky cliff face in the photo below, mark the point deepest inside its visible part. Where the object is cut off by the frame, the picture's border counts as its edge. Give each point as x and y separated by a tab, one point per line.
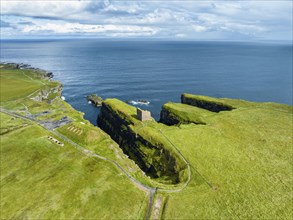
178	113
208	103
168	118
148	152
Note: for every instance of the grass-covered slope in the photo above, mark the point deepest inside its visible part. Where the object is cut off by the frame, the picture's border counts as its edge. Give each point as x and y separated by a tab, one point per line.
241	163
16	84
240	160
41	179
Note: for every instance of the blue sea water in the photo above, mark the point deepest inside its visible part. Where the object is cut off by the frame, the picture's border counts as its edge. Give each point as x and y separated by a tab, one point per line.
159	71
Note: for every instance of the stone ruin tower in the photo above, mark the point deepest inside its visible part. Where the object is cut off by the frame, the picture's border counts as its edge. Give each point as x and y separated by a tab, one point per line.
143	115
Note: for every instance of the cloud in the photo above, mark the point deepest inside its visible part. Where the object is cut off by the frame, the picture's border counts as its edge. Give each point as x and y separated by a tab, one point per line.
174	19
5	24
47	9
199	28
71	28
25	23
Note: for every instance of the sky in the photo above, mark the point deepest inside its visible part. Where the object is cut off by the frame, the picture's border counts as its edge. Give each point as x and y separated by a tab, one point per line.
148	19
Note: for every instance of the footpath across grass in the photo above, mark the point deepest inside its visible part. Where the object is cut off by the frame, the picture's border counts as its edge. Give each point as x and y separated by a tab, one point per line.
241	163
240	159
40	179
14	84
44	180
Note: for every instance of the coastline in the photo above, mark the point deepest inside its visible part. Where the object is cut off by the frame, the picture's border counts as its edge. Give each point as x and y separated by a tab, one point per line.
61	124
216	139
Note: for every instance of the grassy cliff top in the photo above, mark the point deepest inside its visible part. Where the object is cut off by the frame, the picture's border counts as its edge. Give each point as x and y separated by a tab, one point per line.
202	97
237	103
122	108
150	132
187	113
241	161
54	173
125	111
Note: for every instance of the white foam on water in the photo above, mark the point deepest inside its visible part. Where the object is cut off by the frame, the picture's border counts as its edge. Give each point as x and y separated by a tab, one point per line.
138	102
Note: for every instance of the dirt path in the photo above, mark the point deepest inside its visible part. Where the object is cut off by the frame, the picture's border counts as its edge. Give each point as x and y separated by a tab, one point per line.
151	200
157	208
87	152
31	78
152	191
188	167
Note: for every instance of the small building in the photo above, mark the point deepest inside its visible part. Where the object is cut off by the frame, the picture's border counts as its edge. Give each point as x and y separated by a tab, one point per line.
143	115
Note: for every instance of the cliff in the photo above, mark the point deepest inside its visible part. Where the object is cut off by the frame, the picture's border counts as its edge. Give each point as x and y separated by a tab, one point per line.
176	113
205	102
195	109
240	160
143	144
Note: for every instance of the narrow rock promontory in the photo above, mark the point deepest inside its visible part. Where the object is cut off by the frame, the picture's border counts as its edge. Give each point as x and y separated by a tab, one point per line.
143	144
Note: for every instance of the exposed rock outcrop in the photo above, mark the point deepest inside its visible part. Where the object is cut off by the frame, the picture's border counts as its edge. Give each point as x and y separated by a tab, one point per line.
48	93
168	118
94	99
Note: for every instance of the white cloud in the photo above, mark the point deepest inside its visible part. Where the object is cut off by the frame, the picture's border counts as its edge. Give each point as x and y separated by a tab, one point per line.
42	8
69	28
248	29
180	35
191	19
199	28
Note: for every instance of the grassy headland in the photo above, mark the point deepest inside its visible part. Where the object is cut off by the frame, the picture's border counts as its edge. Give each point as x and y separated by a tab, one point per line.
43	179
239	154
219	158
241	160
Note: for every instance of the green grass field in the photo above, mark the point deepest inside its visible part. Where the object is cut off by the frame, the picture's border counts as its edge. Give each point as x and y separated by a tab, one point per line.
241	164
241	160
16	85
43	180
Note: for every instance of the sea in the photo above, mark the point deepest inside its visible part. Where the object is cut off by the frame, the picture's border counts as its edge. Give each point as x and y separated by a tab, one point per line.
159	71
